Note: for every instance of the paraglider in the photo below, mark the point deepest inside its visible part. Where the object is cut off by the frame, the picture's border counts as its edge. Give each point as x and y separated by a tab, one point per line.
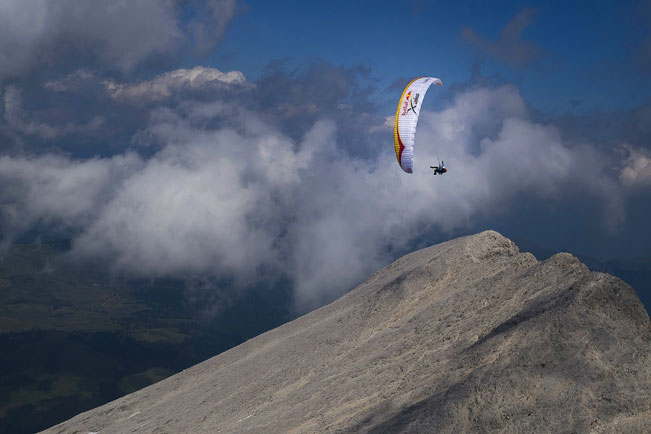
404	130
440	169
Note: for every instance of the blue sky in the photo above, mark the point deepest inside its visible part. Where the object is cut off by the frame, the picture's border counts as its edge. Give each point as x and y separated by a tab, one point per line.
585	50
252	141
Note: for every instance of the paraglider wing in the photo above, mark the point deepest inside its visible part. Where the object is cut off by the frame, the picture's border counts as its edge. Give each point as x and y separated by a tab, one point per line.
404	130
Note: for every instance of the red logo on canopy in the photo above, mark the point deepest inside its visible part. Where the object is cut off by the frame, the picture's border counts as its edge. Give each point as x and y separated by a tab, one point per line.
405	105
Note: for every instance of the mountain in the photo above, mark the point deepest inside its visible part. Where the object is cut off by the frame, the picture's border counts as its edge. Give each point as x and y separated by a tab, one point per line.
465	336
74	336
634	271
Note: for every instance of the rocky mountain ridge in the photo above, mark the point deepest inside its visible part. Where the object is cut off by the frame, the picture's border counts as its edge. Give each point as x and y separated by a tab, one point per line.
466	336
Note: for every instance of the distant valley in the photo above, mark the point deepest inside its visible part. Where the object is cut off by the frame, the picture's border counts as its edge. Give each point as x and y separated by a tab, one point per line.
74	337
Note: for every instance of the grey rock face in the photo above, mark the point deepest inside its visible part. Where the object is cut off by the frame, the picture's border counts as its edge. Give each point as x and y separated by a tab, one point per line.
465	336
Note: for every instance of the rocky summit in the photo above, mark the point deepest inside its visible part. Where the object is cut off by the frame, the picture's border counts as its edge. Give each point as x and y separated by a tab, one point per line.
465	336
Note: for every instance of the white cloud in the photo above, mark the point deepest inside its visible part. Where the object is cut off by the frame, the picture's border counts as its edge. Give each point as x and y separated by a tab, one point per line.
71	82
22	25
120	35
234	201
165	85
637	169
57	189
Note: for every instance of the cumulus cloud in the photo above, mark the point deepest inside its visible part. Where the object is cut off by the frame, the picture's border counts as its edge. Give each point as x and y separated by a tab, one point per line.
22	25
165	85
71	82
52	189
118	36
509	48
637	168
87	113
244	198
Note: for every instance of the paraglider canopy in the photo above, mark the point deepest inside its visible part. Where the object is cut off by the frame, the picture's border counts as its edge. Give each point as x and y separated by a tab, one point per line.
404	130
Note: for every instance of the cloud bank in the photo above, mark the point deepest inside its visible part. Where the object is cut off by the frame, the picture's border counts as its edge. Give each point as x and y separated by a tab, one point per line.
115	35
164	86
242	191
